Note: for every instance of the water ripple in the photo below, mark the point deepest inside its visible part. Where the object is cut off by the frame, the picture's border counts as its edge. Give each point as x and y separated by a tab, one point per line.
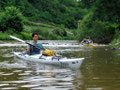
11	65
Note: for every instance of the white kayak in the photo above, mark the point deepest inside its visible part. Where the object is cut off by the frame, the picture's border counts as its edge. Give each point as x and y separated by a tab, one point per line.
53	60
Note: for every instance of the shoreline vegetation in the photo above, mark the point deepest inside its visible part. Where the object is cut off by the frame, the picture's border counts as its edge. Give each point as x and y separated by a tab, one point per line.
61	20
45	31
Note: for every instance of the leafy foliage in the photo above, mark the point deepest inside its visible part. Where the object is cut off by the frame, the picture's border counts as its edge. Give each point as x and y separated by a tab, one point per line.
107	10
65	12
102	20
97	19
98	31
11	18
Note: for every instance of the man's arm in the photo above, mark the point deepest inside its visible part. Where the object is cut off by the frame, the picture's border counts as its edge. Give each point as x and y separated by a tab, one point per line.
28	50
41	46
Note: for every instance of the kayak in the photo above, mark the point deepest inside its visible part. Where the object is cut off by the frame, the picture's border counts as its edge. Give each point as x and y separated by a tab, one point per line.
51	60
89	45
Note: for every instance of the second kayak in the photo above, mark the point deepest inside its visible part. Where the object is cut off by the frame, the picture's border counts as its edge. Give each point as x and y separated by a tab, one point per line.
89	45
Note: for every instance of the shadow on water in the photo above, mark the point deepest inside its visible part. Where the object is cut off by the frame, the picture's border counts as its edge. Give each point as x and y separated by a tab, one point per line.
99	71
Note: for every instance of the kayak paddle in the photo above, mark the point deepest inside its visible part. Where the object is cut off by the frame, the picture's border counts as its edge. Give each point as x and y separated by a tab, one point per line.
13	37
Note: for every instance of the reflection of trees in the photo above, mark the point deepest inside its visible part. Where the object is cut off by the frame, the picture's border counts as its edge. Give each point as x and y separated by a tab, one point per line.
81	52
101	70
101	76
49	76
78	81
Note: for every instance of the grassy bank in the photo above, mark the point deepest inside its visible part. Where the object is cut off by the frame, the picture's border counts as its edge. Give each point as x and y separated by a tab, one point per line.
45	31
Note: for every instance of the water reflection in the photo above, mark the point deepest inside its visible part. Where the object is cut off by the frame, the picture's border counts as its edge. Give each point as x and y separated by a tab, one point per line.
99	71
40	76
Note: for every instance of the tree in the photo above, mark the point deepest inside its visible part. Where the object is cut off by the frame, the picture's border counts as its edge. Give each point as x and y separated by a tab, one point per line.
11	18
6	3
108	10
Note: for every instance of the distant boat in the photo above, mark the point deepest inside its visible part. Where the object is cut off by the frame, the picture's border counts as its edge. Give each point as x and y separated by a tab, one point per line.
88	45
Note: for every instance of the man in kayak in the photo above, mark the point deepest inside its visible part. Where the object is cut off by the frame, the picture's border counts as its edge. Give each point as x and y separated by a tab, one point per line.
90	41
85	41
35	46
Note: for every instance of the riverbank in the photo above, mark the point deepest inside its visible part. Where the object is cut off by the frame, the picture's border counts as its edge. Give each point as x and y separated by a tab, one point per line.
116	41
45	31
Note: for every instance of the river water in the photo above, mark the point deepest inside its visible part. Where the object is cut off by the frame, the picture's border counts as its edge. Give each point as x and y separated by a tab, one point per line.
99	71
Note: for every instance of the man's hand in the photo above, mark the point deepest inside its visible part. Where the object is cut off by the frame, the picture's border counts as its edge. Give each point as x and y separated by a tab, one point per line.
31	45
28	50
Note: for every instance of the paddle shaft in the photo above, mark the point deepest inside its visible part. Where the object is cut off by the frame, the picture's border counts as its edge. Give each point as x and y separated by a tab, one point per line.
13	37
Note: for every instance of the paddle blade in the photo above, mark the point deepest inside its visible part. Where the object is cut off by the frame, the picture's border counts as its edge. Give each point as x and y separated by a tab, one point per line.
13	37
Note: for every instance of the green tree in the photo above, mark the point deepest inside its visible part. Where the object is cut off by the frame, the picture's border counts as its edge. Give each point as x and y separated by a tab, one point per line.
11	18
107	10
87	3
98	31
6	3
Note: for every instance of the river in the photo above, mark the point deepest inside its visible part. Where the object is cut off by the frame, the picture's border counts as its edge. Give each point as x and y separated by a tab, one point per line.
99	71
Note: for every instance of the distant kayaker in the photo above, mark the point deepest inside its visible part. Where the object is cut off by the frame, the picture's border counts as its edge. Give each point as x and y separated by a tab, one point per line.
90	41
85	41
35	46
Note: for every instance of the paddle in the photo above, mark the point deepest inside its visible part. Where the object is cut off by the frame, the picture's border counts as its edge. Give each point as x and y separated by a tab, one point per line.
13	37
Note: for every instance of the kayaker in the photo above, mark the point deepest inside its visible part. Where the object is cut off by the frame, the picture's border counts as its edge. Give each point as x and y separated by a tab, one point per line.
31	50
85	41
90	41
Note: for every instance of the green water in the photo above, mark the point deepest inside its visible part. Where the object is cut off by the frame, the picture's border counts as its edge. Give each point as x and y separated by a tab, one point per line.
99	71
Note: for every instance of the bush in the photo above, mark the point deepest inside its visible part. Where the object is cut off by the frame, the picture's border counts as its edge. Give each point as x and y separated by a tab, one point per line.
98	31
26	35
116	41
60	30
11	18
4	36
59	38
69	38
42	32
10	32
102	32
